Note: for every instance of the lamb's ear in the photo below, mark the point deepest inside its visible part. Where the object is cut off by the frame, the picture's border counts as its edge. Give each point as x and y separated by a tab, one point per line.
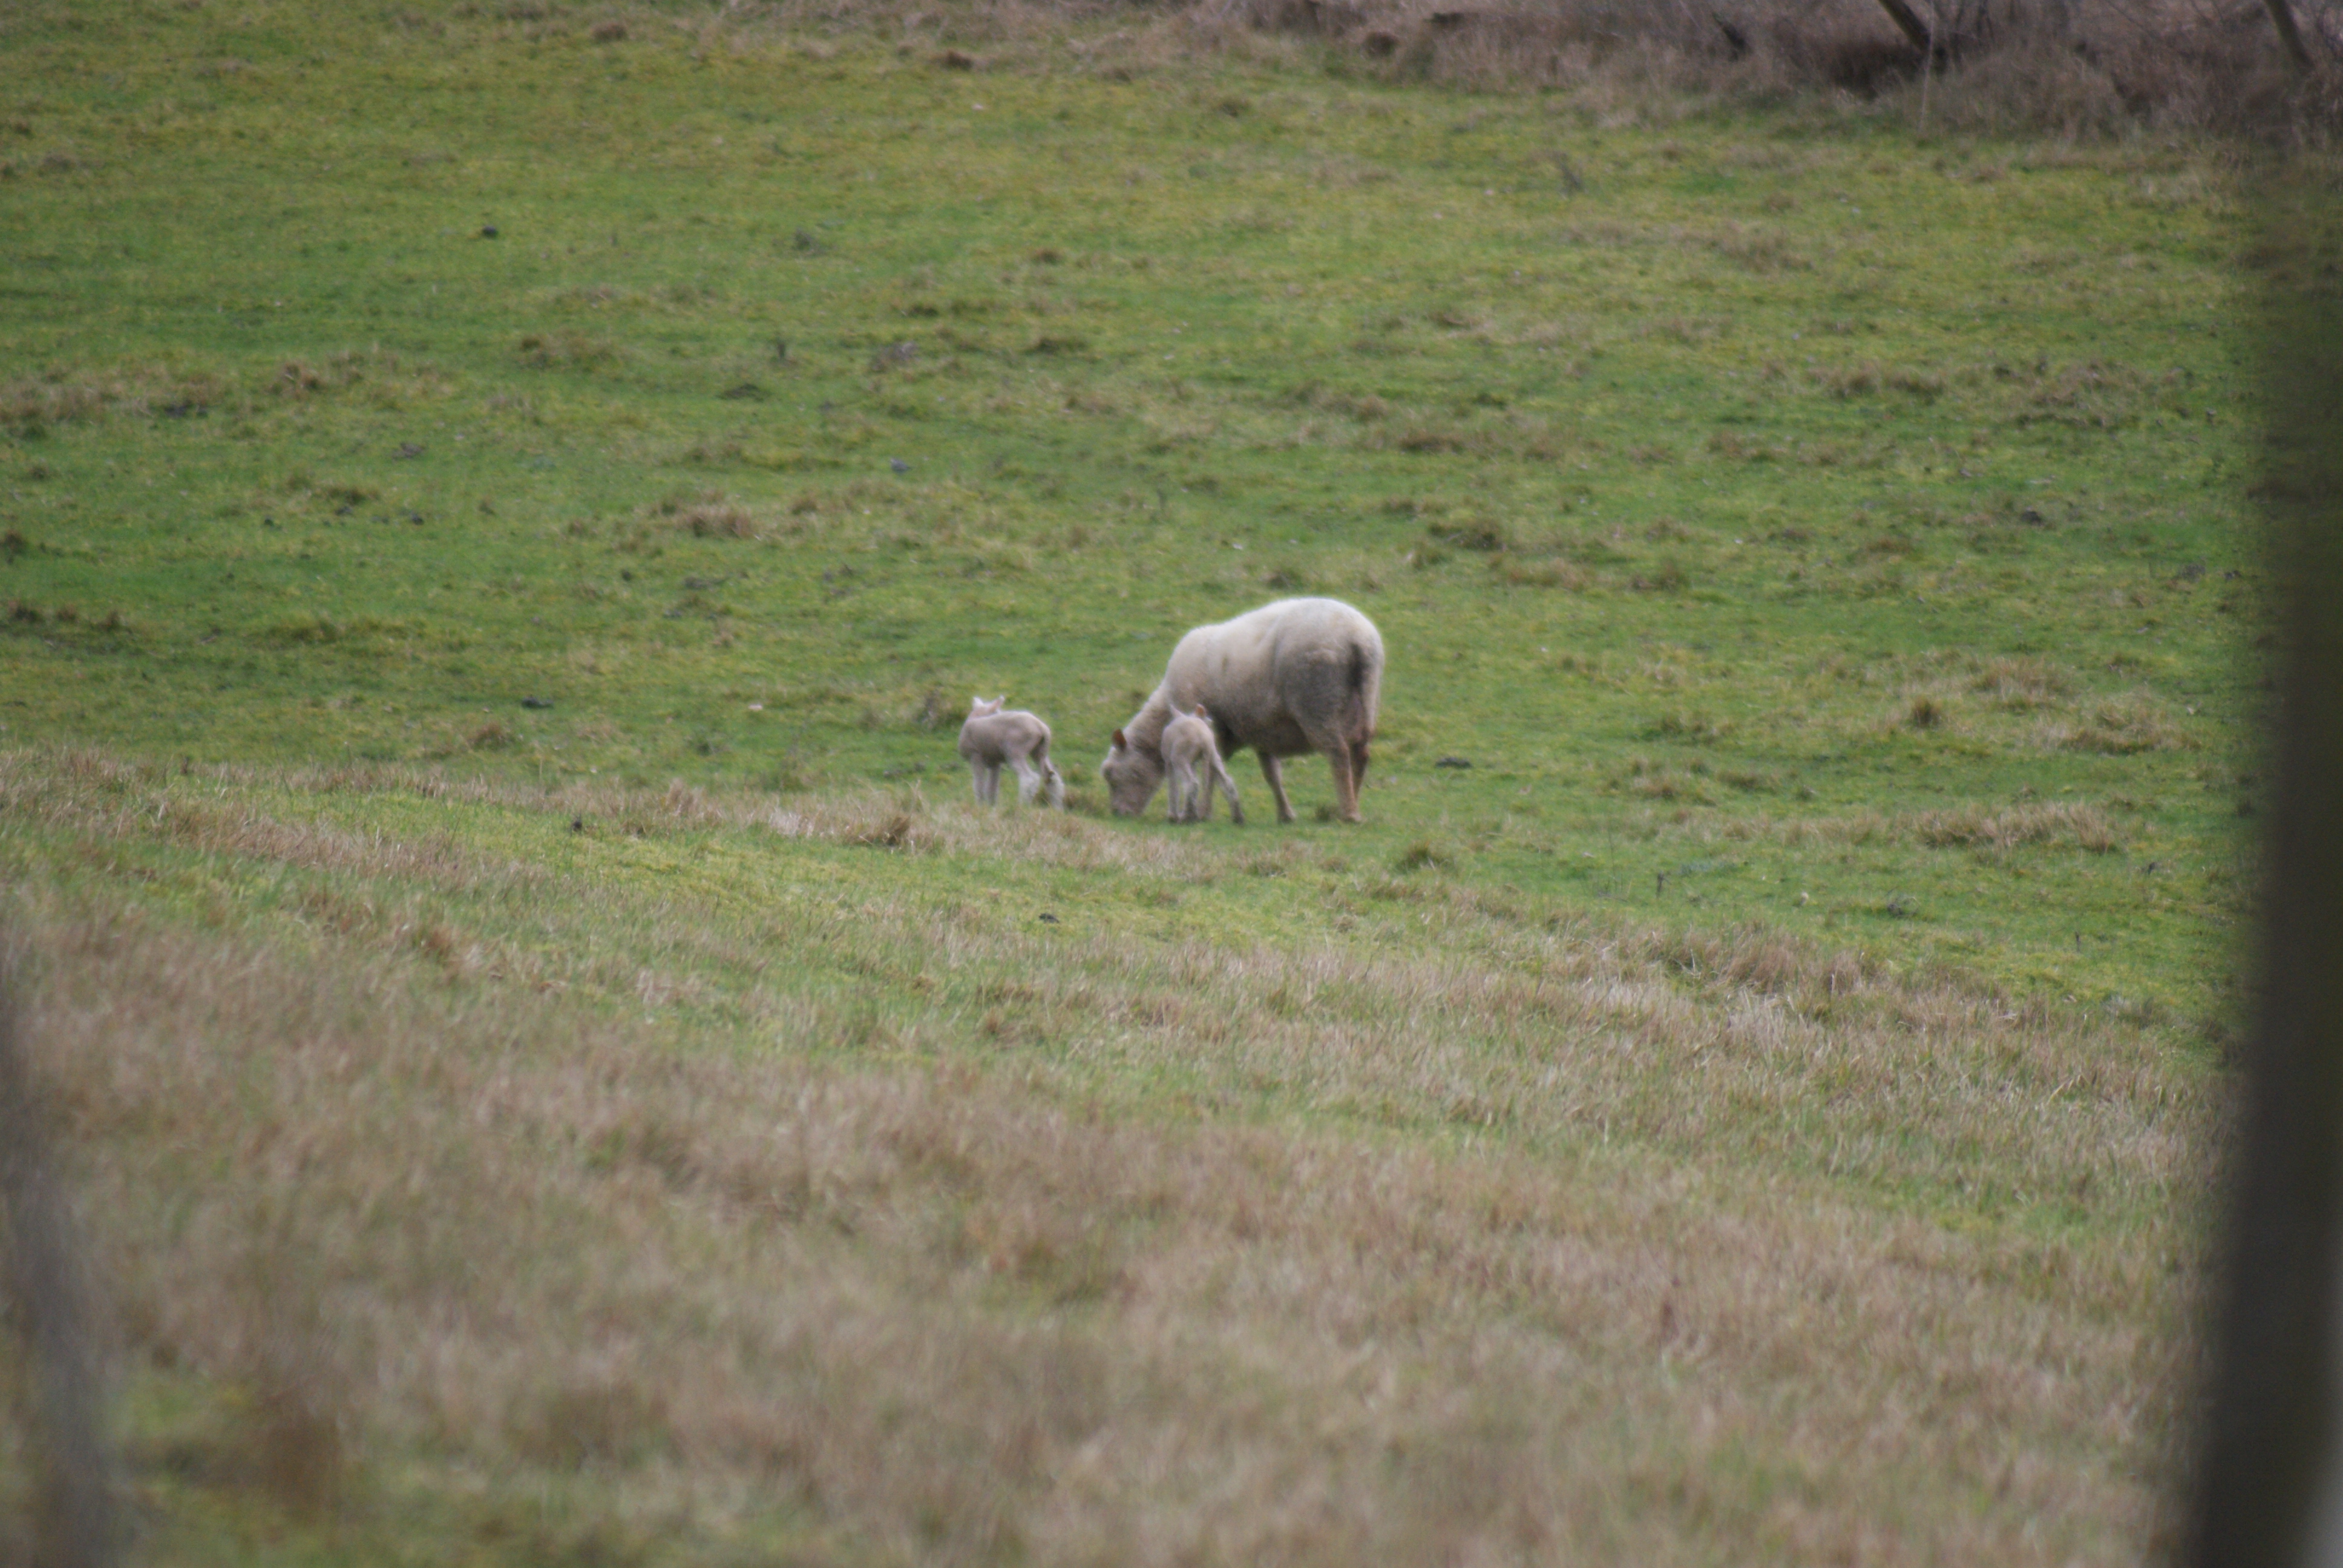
1119	741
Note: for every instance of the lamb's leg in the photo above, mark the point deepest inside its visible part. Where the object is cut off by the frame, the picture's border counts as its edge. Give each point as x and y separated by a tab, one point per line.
1029	780
1057	783
1176	799
1228	786
976	779
1268	770
992	783
1358	764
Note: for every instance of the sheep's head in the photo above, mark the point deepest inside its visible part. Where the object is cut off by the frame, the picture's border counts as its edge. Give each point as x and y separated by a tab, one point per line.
1131	775
978	708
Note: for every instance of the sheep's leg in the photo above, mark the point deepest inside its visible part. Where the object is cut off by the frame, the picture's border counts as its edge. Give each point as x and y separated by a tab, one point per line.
1358	764
1029	780
1229	787
1337	748
1057	783
1346	783
976	780
987	788
1269	770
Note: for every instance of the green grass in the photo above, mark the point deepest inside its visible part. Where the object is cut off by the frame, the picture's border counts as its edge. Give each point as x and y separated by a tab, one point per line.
1860	416
1795	531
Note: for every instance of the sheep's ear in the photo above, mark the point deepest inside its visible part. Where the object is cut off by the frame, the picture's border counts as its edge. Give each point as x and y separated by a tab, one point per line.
1119	741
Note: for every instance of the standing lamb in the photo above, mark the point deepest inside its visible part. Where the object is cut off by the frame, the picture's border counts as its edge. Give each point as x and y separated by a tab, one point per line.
1016	738
1194	762
1297	675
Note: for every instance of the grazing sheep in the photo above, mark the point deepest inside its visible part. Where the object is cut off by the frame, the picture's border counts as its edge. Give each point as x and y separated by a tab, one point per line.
991	738
1194	765
1297	675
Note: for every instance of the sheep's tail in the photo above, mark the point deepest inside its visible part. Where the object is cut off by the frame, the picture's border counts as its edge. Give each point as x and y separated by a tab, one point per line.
1366	687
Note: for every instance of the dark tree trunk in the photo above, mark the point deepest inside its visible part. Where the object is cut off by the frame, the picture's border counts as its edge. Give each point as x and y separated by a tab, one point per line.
1907	22
2282	18
2265	1489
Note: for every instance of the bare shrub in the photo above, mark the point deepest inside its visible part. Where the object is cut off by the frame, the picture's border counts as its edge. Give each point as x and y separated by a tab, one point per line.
2083	70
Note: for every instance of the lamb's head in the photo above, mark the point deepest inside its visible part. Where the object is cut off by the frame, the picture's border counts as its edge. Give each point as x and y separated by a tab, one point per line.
978	708
1132	774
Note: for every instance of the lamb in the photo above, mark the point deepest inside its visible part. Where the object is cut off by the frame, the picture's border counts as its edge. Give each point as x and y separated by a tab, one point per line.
990	738
1297	675
1186	747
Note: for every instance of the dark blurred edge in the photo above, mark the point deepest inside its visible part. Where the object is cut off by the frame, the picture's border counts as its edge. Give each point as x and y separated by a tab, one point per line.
2262	1490
48	1301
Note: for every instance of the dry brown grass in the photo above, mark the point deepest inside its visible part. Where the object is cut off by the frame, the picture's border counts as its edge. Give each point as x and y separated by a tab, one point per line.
2023	684
32	403
1991	830
2119	726
2055	822
709	514
1566	1243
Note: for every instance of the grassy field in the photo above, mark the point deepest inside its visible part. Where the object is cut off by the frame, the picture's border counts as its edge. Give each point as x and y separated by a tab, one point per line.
500	512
